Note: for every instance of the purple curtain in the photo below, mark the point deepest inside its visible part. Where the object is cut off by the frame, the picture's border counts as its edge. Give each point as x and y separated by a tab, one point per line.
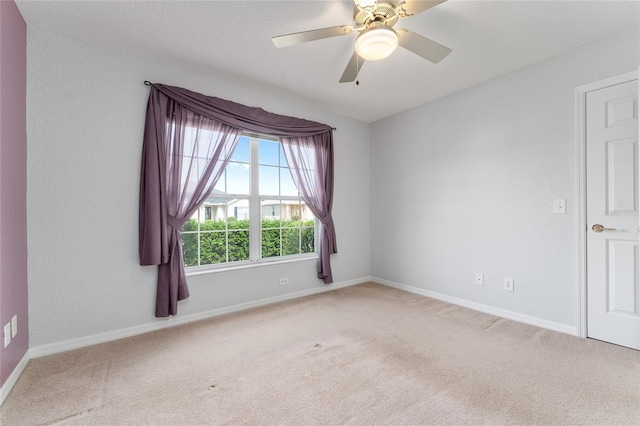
311	162
184	155
188	141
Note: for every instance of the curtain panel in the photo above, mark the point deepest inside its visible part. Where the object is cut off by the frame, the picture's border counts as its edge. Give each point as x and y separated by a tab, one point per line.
188	140
311	162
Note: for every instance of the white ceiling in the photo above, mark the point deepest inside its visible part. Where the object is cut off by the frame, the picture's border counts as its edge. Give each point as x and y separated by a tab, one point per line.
488	38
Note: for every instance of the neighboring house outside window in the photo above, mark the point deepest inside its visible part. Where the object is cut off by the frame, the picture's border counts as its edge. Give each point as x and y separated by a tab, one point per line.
254	213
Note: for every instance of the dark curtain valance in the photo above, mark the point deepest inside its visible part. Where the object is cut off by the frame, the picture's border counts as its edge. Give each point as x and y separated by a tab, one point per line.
241	116
172	188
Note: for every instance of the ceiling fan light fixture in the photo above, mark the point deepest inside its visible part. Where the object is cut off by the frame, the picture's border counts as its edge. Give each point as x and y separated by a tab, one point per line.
376	43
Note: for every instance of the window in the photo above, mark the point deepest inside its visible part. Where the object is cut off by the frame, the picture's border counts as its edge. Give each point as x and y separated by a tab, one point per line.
254	212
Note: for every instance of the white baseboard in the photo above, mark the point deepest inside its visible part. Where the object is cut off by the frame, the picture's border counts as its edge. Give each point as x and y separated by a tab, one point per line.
13	378
67	345
503	313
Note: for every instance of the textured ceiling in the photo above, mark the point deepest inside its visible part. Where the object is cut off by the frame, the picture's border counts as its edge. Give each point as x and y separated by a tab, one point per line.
488	38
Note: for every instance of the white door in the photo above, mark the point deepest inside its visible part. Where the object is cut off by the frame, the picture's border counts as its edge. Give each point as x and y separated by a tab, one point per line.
613	290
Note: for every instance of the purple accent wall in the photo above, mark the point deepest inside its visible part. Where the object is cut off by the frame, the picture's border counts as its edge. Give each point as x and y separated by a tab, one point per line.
13	184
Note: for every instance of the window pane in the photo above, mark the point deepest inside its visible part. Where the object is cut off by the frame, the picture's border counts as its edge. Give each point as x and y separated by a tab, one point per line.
238	178
269	180
239	210
268	153
270	213
221	184
271	242
213	247
222	239
290	239
241	154
238	246
190	249
307	243
287	186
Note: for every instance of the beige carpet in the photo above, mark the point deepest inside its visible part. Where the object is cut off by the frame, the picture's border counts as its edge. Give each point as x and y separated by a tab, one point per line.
362	355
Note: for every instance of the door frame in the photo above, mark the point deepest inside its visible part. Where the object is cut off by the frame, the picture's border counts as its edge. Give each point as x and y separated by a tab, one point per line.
581	190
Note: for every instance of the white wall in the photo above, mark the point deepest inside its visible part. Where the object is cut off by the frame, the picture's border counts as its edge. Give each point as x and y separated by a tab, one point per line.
478	171
85	112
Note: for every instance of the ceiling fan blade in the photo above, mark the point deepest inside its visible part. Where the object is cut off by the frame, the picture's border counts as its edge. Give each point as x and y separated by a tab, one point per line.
353	68
422	46
305	36
413	7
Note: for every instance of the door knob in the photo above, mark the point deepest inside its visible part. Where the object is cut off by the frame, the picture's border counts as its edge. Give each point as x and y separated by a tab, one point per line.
599	228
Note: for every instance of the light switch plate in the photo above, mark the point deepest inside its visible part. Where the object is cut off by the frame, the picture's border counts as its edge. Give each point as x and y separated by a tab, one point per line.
560	206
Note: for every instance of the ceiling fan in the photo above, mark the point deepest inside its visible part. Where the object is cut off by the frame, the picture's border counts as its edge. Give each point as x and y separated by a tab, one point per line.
377	39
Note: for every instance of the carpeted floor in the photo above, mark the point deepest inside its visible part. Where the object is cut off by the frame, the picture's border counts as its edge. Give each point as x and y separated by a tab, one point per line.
363	355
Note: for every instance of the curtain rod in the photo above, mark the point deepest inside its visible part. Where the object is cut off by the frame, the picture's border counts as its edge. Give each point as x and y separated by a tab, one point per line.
148	83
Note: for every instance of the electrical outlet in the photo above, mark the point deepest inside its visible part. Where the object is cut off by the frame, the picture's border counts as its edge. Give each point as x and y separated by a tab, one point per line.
508	284
284	281
7	334
479	278
14	326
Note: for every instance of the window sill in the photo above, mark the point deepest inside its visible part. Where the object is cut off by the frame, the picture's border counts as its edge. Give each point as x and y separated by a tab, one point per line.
215	269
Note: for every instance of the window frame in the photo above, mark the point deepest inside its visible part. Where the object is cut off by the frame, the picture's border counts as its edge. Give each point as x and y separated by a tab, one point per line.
255	220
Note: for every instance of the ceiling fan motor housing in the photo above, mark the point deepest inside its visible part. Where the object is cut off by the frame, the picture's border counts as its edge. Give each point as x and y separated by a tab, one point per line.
382	13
